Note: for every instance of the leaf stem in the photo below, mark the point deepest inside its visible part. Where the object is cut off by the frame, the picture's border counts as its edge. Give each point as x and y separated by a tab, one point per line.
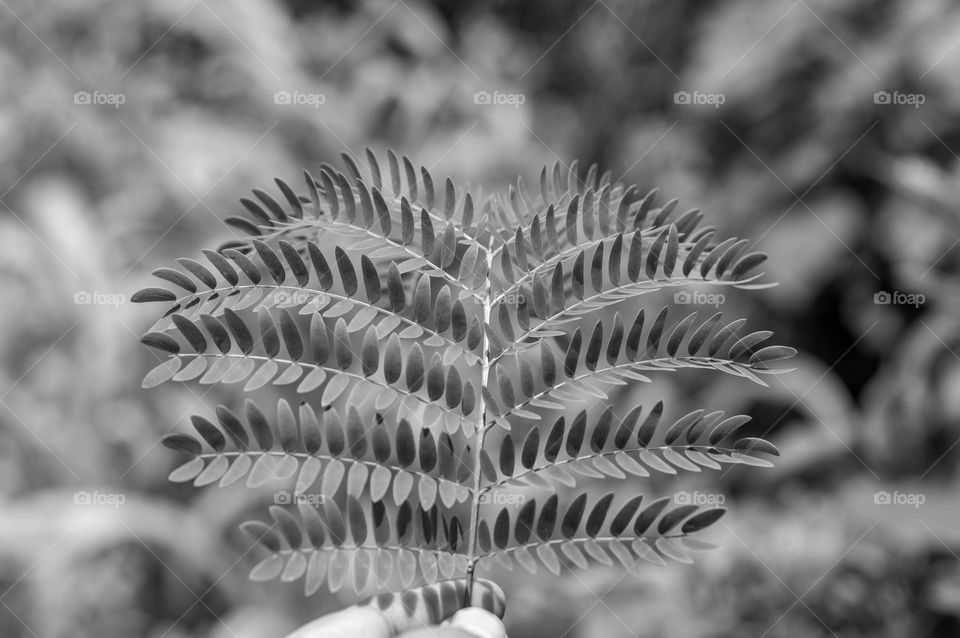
326	223
315	294
703	449
481	430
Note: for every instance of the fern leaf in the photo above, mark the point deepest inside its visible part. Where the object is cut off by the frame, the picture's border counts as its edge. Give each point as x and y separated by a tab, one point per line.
585	375
437	318
359	547
603	448
607	286
283	359
436	347
366	218
323	451
593	530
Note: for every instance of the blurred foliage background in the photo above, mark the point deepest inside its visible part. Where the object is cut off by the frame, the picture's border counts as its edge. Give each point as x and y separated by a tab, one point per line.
851	192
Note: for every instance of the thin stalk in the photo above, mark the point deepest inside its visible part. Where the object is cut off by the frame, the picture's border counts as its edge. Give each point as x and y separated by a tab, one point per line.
481	431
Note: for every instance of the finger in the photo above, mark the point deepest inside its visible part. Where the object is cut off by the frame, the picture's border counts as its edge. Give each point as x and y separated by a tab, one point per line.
439	632
478	622
471	622
432	604
348	623
388	615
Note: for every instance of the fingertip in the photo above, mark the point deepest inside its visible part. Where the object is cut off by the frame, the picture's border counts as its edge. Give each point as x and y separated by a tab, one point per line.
489	596
478	622
432	604
352	621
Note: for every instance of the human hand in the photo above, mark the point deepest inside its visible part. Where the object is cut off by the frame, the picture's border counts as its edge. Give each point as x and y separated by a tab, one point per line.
418	613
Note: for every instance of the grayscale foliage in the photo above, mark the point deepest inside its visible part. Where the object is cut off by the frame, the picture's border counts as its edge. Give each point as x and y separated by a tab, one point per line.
432	351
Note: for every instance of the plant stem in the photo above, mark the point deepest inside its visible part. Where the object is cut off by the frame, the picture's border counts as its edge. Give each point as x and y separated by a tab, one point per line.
481	431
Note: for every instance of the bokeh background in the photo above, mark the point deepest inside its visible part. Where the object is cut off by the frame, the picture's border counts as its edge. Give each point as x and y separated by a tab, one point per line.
827	132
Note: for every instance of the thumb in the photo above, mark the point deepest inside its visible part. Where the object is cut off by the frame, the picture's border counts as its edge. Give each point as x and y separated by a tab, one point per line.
388	615
470	622
432	604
